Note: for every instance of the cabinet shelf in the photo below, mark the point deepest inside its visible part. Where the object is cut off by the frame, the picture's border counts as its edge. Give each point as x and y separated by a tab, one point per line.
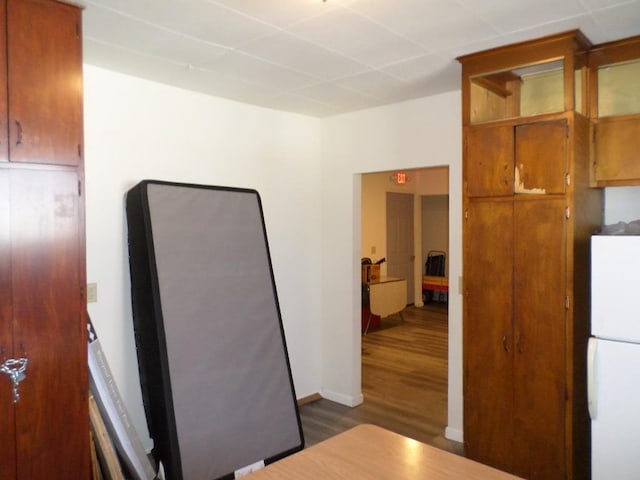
525	79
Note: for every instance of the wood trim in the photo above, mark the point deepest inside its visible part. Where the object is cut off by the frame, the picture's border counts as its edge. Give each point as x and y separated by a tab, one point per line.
615	52
529	52
314	397
497	83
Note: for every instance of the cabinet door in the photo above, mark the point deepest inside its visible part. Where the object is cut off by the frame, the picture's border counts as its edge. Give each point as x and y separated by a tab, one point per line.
49	325
488	339
540	340
7	423
617	144
45	82
488	167
541	158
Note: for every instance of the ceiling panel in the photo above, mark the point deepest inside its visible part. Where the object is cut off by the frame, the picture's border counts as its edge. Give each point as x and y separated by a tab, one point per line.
202	19
286	49
620	22
516	15
354	36
281	13
242	66
321	58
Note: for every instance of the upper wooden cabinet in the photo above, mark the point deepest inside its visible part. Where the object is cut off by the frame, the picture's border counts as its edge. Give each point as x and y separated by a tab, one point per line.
42	72
531	78
614	69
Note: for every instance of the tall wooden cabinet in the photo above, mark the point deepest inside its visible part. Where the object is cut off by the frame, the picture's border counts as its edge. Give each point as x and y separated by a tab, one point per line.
44	408
528	215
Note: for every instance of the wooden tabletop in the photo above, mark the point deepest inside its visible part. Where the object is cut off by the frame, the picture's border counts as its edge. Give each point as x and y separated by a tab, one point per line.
368	452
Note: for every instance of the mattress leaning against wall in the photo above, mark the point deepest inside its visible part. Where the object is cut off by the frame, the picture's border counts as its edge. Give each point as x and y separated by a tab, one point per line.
215	375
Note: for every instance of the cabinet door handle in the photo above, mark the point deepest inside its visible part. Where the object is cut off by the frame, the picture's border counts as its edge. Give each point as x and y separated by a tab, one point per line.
505	345
19	133
520	343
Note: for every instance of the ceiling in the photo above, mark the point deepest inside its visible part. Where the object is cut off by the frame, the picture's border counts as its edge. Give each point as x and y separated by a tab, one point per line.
323	58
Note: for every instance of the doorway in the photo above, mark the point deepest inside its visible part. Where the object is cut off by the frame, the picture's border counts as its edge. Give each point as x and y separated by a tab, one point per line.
379	221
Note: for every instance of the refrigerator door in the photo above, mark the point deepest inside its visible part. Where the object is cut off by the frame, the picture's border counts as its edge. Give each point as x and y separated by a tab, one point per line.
615	297
614	402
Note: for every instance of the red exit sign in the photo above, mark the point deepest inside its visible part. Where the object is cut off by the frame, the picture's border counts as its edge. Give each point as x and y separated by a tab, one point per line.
401	178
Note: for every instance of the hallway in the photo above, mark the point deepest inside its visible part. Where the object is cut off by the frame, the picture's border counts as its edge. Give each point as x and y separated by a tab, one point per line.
404	382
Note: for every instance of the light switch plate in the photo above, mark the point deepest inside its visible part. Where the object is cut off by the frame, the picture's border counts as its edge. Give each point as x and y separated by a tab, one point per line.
92	292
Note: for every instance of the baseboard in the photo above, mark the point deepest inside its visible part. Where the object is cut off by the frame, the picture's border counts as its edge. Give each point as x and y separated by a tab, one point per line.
348	400
309	399
454	434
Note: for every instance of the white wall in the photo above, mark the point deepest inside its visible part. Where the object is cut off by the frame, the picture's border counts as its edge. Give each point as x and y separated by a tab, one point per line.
419	133
134	130
308	173
621	204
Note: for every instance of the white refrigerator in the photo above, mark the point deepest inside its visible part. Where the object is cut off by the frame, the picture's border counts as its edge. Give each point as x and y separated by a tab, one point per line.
614	358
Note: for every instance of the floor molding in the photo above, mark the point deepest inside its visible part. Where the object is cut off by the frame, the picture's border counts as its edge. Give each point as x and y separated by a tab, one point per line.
314	397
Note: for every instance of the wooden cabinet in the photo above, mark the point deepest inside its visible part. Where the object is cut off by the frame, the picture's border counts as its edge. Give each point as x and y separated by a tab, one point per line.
614	69
44	422
45	82
528	214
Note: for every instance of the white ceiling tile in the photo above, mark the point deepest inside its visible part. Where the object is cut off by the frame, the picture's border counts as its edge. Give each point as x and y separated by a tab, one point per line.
598	4
130	62
416	69
620	22
517	15
280	13
290	51
121	31
355	36
198	18
246	67
374	83
434	24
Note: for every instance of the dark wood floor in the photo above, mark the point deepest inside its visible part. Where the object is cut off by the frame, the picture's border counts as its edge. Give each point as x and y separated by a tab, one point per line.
404	382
